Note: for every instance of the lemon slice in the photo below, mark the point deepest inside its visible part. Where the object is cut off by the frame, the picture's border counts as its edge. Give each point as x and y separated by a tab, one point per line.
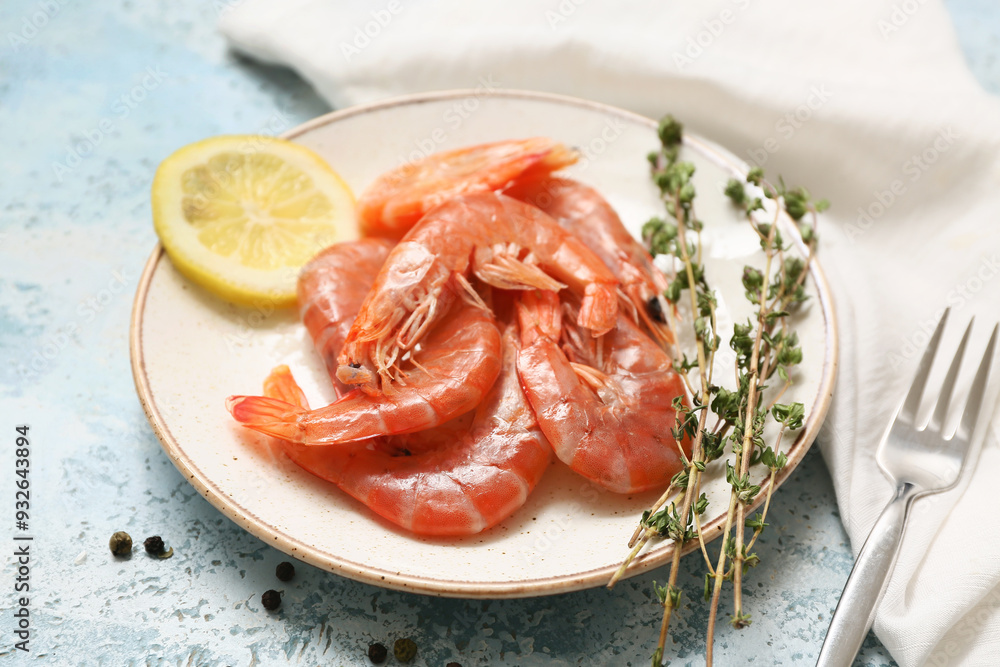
241	215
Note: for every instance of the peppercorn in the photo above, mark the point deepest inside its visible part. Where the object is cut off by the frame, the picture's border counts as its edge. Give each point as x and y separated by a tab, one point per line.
285	571
271	600
121	544
655	309
453	664
154	547
405	650
377	653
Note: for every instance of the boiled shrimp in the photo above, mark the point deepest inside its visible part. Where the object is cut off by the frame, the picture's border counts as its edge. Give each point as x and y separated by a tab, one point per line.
457	479
583	211
331	289
448	376
399	198
501	241
604	404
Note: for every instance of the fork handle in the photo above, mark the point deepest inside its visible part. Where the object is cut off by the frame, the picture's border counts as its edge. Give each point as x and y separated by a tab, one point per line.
856	610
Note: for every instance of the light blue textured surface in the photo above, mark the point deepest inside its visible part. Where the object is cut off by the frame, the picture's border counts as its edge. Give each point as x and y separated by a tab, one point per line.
134	81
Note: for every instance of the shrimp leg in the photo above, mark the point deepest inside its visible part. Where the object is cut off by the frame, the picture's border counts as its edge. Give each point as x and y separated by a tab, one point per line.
584	212
501	241
331	289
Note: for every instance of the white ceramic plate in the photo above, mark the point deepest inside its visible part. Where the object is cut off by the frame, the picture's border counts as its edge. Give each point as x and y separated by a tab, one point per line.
191	350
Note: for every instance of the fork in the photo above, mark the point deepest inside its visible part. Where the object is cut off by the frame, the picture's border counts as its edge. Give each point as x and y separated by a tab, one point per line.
918	460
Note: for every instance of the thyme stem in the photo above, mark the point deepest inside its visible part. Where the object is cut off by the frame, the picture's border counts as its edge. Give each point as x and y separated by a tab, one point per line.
749	431
763	346
696	452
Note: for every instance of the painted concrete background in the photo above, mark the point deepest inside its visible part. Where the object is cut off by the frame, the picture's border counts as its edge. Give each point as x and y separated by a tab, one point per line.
134	81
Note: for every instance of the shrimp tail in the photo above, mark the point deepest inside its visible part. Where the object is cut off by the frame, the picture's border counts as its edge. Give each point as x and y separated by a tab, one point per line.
267	415
281	385
549	160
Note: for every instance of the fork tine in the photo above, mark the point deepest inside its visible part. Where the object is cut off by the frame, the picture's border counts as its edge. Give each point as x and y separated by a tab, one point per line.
978	390
944	400
912	403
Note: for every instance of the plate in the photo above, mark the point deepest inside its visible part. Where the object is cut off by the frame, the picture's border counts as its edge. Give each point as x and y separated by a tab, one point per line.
191	350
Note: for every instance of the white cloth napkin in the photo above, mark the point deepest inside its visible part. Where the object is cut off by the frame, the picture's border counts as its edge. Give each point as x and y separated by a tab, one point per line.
867	103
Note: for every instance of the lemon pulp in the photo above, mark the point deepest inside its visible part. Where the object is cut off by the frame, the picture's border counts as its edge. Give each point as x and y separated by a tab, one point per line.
240	215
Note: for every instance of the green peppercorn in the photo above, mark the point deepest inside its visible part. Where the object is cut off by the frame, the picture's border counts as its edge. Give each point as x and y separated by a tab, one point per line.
121	544
271	600
405	650
377	653
285	571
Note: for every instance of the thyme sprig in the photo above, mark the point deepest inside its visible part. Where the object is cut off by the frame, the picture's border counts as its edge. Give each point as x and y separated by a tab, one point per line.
763	347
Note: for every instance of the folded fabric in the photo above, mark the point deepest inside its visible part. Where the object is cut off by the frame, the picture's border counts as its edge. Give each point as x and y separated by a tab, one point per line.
868	104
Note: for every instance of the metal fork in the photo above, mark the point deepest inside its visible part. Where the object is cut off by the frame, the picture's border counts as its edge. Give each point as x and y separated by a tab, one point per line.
918	460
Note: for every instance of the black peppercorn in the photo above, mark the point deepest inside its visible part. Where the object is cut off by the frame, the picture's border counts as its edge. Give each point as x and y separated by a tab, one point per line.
405	650
271	600
285	571
121	544
154	545
377	653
